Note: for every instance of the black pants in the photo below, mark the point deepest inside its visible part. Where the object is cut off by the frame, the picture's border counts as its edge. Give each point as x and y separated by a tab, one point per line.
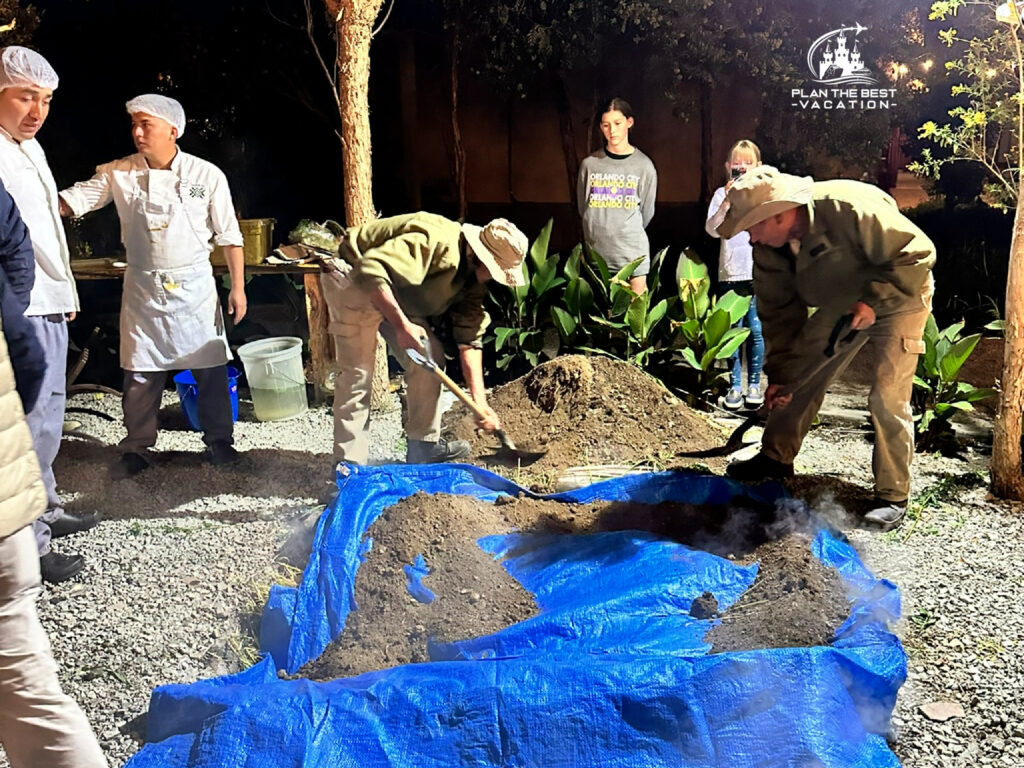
141	403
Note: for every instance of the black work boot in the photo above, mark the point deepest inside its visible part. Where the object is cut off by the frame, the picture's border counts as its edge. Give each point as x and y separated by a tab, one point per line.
886	515
55	567
758	468
222	452
67	524
423	452
129	465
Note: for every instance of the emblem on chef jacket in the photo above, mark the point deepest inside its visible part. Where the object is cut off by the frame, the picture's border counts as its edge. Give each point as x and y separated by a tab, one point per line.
197	191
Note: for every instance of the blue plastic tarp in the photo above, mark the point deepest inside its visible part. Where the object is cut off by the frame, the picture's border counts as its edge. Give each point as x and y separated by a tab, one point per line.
613	671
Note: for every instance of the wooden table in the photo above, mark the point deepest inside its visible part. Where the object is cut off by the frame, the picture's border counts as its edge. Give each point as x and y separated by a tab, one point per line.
320	347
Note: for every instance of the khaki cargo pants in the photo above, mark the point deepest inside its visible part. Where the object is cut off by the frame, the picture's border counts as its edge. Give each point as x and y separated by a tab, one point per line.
896	342
354	325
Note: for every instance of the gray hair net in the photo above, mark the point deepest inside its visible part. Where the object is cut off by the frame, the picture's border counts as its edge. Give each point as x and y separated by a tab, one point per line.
163	107
22	67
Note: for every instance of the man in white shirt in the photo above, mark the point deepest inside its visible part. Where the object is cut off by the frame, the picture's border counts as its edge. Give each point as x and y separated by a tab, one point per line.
174	207
27	82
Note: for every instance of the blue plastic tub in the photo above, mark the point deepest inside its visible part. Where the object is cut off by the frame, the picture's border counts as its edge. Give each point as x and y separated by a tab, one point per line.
188	392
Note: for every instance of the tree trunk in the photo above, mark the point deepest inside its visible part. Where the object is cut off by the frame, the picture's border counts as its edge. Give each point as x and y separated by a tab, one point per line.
1007	473
568	131
353	20
707	162
458	150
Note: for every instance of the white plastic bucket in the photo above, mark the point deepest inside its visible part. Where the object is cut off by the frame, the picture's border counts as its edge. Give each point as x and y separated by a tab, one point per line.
277	384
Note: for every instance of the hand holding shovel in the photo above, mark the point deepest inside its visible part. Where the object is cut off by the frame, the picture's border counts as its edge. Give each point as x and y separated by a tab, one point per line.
781	396
508	449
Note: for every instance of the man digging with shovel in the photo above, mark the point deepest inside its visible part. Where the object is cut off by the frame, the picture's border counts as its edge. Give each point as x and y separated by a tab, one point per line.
843	248
407	273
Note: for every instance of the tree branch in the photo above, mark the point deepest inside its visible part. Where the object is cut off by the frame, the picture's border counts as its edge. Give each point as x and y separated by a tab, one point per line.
384	21
331	77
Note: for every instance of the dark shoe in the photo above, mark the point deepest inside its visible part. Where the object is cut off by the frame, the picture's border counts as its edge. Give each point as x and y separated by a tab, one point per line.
886	515
760	467
129	465
423	452
222	452
55	567
67	524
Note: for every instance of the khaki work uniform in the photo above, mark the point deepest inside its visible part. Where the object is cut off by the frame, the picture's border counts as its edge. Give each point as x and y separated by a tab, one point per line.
859	247
420	256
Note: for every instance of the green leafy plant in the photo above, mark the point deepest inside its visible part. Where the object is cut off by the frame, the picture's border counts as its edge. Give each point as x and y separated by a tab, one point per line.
604	315
527	332
938	394
706	331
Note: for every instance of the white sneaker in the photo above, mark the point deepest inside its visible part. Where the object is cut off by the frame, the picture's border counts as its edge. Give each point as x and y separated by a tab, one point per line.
754	398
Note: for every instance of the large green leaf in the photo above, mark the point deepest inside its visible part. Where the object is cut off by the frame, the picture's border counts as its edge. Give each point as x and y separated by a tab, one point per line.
655	316
622	298
564	322
539	249
572	264
952	333
927	364
690	358
735	305
501	335
973	394
715	327
959	405
636	315
579	298
951	362
731	342
922	384
599	265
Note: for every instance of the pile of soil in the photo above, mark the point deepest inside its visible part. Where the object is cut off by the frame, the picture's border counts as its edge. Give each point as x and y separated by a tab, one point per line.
795	600
474	596
587	410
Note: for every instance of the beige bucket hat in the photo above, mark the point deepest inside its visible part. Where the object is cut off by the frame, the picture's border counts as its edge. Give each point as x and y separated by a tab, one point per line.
761	193
501	247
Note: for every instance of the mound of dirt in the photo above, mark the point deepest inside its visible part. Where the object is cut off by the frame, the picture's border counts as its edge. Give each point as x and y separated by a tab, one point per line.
474	595
795	601
586	411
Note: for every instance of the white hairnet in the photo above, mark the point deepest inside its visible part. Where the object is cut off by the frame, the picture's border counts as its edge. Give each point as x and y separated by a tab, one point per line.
163	107
23	67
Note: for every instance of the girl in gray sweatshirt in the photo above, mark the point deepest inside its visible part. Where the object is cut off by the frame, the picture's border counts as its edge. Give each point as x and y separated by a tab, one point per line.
616	192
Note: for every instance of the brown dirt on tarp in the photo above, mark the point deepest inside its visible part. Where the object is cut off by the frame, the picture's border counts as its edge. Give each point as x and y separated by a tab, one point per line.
588	410
795	601
474	594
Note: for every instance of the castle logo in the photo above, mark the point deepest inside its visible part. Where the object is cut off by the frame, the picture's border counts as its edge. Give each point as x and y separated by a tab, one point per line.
835	59
839	78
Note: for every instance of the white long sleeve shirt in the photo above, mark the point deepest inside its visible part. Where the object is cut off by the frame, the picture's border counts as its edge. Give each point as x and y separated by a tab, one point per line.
199	184
27	176
736	256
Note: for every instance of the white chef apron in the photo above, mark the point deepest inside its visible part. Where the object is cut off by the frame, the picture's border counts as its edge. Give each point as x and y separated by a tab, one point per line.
170	312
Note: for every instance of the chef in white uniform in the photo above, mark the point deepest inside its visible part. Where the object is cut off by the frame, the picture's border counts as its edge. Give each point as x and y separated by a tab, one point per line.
174	207
27	83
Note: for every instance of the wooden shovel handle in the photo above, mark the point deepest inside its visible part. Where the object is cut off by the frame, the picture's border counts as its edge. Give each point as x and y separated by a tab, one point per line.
459	392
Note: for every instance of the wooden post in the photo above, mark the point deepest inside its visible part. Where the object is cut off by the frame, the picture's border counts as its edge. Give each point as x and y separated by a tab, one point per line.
321	348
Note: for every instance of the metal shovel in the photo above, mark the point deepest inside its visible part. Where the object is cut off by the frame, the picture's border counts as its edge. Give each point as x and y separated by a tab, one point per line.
735	441
508	449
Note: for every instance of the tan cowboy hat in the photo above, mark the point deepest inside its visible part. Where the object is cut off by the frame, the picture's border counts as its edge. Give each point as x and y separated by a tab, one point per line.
759	194
501	247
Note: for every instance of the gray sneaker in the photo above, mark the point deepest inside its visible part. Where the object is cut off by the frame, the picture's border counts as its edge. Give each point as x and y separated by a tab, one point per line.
423	452
886	515
733	400
754	397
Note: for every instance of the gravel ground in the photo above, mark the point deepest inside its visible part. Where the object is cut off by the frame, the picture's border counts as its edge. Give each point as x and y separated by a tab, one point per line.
181	601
